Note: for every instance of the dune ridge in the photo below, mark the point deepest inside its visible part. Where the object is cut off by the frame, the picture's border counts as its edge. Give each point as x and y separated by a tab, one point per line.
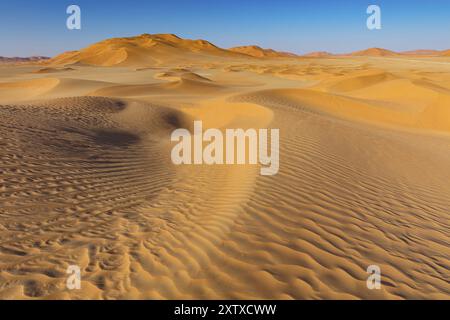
146	49
256	51
376	52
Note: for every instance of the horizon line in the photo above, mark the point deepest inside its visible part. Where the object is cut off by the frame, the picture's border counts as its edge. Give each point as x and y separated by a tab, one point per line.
332	53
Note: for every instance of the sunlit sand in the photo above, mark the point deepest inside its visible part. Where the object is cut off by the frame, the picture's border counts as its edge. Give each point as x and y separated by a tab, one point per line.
86	176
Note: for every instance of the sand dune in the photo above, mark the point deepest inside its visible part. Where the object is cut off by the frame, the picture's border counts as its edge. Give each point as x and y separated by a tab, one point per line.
375	52
27	89
53	70
422	52
359	80
47	88
183	86
143	50
86	177
343	224
256	51
318	54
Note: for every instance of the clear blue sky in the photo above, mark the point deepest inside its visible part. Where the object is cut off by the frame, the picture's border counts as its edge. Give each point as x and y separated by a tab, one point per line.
39	27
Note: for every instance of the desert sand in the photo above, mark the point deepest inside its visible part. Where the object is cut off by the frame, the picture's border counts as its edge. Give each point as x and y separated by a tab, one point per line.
86	176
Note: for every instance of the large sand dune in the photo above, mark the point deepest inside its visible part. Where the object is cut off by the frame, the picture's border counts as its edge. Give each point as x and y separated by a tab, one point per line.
86	177
146	49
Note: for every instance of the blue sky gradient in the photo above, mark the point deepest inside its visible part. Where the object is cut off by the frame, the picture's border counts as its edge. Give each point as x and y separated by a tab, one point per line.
39	27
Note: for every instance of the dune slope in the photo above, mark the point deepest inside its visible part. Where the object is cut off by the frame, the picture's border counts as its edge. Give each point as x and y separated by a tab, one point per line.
142	51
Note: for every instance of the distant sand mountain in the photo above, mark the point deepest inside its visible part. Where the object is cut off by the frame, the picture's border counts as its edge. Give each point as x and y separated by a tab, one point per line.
259	52
22	59
374	52
427	52
157	49
422	52
318	54
378	52
143	50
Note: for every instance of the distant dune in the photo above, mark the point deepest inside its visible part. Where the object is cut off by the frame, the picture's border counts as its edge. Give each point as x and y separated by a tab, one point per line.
379	52
374	52
23	59
259	52
318	54
422	52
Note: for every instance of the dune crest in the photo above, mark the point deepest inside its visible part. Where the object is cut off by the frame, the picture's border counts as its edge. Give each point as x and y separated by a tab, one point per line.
375	52
258	52
318	54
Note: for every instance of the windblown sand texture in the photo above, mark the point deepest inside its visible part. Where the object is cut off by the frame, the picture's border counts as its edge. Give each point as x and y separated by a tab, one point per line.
86	177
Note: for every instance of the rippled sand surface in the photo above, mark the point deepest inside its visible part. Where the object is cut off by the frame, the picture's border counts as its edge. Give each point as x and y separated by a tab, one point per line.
86	179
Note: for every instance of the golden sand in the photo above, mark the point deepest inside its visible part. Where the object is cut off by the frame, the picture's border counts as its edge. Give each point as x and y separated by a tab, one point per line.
86	177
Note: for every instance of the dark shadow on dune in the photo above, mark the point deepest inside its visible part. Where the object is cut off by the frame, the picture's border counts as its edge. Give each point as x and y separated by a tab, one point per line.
115	138
81	140
173	119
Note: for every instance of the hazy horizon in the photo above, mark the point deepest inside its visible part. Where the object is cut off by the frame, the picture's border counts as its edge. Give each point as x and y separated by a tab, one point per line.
250	44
